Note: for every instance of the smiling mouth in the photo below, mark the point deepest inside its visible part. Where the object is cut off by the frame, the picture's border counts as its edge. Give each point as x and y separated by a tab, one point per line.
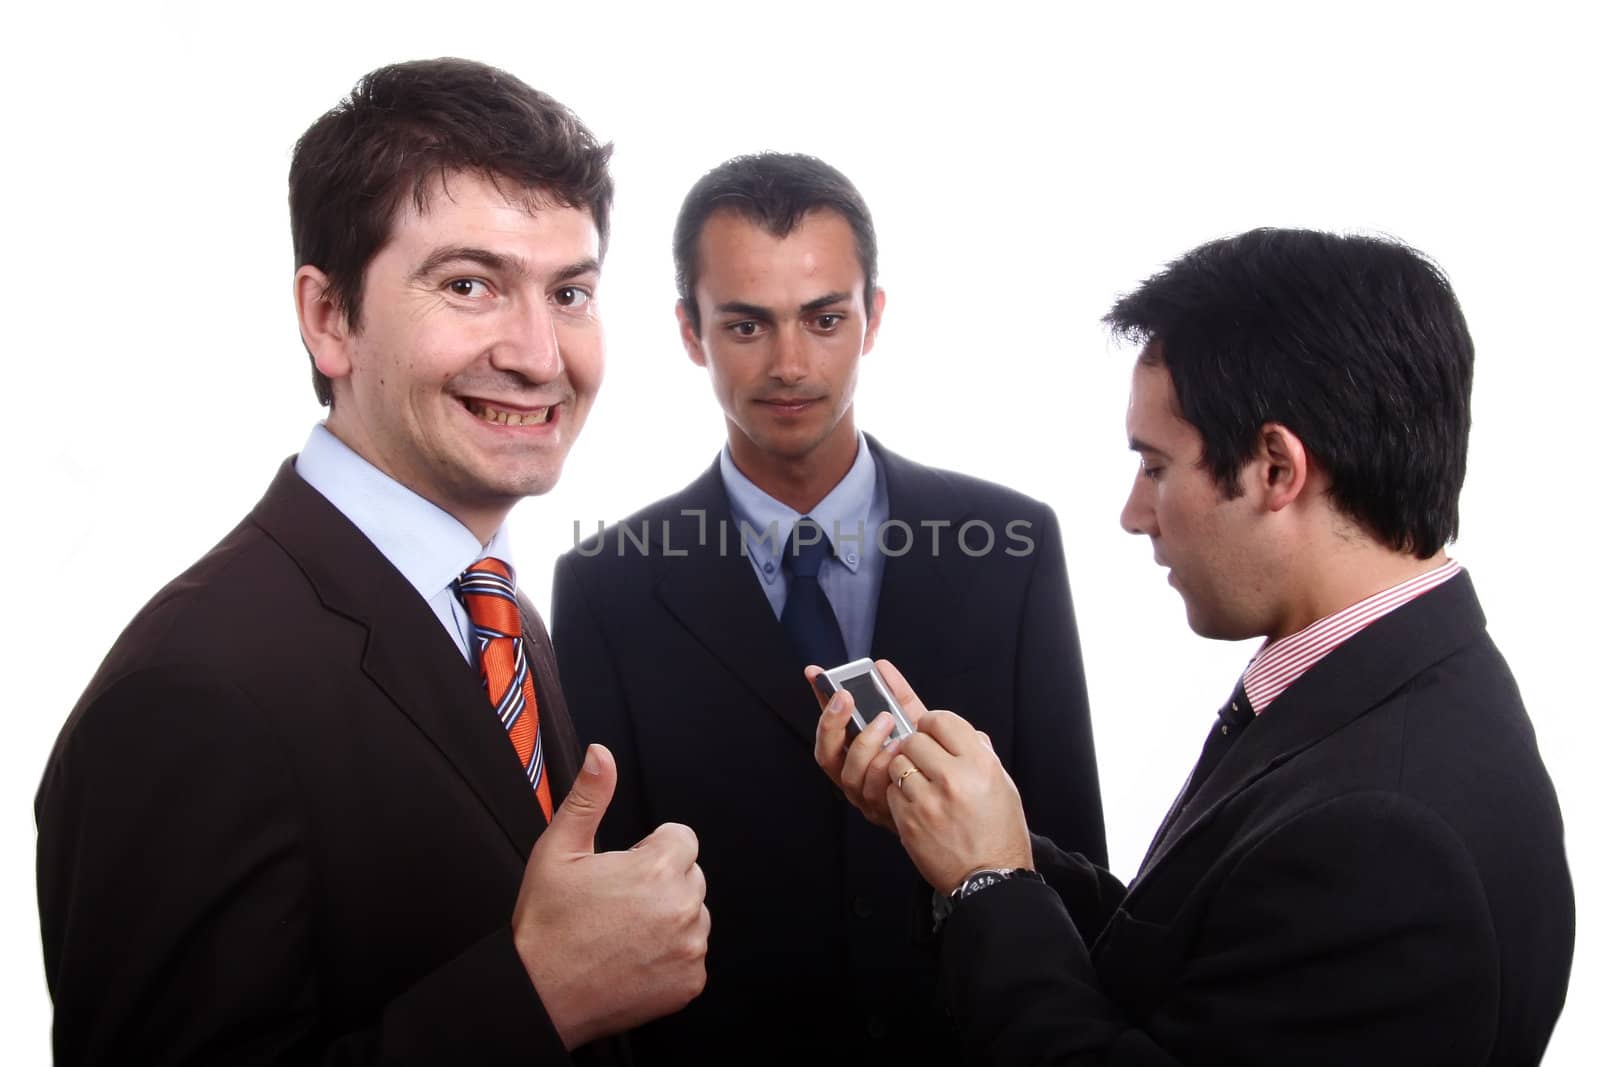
503	417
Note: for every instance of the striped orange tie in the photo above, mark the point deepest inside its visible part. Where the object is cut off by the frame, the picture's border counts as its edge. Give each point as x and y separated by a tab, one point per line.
488	589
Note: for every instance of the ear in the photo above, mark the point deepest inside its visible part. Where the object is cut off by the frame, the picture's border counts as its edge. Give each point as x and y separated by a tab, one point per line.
1285	466
323	325
691	340
874	318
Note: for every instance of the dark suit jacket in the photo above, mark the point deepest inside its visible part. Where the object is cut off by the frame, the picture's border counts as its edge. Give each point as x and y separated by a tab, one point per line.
672	656
282	824
1375	874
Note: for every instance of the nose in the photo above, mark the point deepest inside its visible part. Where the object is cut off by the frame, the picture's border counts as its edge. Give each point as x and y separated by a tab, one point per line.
529	346
790	361
1139	513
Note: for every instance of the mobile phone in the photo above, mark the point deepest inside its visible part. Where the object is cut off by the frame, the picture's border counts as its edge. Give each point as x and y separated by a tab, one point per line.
871	694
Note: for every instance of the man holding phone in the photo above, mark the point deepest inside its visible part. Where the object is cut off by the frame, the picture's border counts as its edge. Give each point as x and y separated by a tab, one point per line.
682	633
1367	864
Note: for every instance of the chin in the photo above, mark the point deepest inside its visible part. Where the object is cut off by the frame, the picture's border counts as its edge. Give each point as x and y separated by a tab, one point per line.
784	446
1218	629
509	487
539	484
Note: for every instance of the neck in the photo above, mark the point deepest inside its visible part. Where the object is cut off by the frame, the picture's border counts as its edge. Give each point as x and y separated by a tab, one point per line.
483	520
800	482
484	525
1344	577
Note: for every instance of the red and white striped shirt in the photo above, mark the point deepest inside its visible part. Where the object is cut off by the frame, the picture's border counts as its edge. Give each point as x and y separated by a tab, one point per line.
1279	664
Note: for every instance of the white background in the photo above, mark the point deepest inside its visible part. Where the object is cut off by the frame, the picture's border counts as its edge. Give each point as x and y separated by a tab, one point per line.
1026	164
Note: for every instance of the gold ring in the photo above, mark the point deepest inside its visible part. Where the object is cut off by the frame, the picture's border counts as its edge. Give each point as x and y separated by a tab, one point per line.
907	773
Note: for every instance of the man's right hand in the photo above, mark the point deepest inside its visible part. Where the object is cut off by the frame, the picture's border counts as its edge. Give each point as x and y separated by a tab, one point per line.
612	939
860	768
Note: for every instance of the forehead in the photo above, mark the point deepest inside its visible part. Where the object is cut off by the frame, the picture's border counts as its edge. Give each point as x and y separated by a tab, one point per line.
1153	415
737	254
466	207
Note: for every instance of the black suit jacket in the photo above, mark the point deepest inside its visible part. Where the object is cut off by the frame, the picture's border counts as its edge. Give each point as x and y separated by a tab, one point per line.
672	657
1375	874
282	824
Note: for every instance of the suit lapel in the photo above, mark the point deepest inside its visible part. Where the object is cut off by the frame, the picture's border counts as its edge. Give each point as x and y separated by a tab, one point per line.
922	590
408	655
714	593
1348	683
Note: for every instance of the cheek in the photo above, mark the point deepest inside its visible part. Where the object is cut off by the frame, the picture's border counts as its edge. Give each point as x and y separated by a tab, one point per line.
730	376
1181	526
586	369
840	363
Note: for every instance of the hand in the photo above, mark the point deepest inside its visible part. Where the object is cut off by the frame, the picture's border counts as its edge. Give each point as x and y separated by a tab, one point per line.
860	768
953	804
612	939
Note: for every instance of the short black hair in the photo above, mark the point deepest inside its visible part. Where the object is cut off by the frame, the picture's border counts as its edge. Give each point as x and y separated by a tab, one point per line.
774	190
1357	344
404	126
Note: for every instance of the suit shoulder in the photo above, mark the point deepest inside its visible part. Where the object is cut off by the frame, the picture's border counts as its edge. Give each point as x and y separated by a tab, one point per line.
191	645
1467	740
205	614
977	494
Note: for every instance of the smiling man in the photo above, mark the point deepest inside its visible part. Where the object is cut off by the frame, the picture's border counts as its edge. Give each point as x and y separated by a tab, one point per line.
323	802
683	632
1366	865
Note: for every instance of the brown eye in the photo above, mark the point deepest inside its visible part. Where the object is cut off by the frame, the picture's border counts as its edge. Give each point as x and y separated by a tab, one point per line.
570	296
467	287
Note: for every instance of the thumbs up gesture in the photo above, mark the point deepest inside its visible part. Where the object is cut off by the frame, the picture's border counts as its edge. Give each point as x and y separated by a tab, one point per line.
610	939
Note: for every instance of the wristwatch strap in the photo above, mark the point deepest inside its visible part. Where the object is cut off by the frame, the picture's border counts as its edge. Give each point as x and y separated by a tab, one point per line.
975	883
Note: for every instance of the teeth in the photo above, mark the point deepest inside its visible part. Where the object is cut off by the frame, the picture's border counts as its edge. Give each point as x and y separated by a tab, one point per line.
509	418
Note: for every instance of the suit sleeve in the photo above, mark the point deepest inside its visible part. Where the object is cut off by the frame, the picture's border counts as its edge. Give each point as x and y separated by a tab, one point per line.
175	898
1357	932
1090	893
597	704
1054	761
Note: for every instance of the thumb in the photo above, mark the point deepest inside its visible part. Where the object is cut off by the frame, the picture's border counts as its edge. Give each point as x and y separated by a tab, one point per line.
573	826
909	702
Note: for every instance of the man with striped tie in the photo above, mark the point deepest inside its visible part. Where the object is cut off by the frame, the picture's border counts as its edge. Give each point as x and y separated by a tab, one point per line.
323	801
1366	864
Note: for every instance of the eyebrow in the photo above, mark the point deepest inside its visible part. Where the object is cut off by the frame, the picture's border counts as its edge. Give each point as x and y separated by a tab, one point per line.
750	311
588	265
1136	445
756	311
497	262
823	301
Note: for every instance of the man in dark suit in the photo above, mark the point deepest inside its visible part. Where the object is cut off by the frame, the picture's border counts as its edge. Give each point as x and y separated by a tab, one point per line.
286	822
1367	864
678	641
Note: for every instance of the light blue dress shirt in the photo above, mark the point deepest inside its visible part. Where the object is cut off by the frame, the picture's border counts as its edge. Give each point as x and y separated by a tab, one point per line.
426	544
849	515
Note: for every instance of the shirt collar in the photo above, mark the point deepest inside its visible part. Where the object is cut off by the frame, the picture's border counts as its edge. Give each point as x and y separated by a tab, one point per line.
770	521
426	544
1279	664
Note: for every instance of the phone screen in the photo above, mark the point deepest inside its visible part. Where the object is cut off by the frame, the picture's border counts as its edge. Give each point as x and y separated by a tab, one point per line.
871	701
868	697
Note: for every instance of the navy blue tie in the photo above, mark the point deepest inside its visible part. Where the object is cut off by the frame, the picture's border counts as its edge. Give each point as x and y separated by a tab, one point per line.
807	615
